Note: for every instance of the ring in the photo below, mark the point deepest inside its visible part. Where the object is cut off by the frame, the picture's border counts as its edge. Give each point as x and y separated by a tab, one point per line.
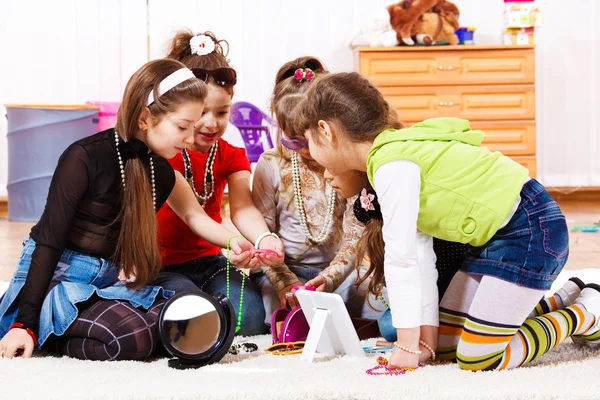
289	295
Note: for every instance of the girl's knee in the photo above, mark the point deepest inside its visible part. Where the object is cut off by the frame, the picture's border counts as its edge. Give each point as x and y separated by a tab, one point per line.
137	346
253	316
477	358
253	327
386	328
466	366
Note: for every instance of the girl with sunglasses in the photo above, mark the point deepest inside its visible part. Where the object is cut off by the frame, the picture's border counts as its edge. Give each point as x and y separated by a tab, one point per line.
80	287
316	225
209	164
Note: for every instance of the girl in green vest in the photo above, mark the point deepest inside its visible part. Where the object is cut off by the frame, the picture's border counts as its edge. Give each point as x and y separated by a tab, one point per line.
434	180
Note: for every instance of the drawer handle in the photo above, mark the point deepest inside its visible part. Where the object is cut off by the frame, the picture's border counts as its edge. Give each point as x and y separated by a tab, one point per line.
448	104
447	68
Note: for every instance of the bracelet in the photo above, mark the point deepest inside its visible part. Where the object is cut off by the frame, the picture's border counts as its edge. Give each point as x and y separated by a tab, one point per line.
264	235
406	349
29	331
229	245
231	238
428	347
239	348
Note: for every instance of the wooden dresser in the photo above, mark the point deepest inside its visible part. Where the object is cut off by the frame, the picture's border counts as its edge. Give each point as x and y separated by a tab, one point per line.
492	86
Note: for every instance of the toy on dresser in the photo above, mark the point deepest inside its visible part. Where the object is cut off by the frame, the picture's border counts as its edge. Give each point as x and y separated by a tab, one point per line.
425	21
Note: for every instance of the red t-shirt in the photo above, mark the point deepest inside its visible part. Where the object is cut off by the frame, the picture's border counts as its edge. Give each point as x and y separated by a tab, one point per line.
178	243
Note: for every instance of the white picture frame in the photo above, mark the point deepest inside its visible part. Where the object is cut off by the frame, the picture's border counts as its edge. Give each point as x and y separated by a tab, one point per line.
331	329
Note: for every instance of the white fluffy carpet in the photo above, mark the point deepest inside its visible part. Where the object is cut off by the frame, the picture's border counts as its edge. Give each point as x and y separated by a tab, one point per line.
567	372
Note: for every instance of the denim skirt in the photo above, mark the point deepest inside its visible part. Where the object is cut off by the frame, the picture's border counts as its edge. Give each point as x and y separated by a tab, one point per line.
76	278
531	249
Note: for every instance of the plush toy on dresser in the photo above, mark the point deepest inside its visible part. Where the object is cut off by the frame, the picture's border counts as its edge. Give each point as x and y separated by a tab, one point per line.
405	15
436	28
427	21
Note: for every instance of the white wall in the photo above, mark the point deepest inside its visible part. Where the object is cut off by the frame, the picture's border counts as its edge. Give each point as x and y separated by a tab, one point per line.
568	87
67	52
72	51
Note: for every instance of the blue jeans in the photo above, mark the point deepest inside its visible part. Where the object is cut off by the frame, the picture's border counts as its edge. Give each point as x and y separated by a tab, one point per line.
77	277
209	275
386	328
531	249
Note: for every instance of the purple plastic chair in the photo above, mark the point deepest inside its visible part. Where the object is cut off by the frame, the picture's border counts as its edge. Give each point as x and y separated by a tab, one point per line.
252	123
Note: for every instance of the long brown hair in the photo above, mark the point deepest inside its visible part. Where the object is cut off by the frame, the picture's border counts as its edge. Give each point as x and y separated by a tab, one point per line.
372	246
355	105
351	102
180	50
137	248
287	94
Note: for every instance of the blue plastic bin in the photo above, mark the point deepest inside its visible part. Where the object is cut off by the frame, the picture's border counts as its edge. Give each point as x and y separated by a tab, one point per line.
37	136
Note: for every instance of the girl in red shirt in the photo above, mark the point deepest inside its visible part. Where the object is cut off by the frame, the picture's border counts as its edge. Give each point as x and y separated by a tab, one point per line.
189	262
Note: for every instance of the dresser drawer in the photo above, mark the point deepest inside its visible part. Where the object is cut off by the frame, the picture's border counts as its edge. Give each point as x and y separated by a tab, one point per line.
465	67
511	138
475	103
527	162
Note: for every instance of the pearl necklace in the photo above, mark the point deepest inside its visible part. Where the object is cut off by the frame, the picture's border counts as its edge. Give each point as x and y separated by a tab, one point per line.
322	236
122	168
209	187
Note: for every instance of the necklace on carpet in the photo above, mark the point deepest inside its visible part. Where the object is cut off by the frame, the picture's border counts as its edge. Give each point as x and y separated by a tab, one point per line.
209	187
122	168
238	325
240	348
382	369
330	193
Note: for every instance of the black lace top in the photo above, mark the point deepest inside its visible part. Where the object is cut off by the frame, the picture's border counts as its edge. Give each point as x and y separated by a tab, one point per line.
82	205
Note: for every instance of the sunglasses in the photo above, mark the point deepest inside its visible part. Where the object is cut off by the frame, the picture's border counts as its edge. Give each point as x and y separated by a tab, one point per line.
222	76
293	144
284	349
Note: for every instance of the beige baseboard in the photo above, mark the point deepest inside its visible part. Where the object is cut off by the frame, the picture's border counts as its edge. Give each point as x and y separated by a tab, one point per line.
559	194
590	193
3	206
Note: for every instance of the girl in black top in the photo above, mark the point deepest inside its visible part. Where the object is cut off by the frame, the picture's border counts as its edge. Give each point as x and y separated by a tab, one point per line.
97	236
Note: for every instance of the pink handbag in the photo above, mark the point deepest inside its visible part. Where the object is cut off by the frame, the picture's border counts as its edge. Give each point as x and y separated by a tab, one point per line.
289	325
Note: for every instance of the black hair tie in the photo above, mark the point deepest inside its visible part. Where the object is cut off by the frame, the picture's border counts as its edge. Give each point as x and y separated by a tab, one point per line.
134	148
366	206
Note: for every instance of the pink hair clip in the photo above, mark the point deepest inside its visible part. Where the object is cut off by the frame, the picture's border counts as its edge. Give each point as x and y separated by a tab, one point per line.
305	74
366	200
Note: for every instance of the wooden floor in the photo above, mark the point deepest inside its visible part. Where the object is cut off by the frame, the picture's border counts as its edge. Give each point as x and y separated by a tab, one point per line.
585	247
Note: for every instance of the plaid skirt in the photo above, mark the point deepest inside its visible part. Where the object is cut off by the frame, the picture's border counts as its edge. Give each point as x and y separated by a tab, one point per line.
76	278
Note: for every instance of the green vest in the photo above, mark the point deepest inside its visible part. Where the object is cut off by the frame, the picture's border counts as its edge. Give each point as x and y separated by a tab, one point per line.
466	190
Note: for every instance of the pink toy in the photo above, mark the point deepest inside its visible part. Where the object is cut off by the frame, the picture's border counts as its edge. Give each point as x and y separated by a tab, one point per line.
266	252
307	287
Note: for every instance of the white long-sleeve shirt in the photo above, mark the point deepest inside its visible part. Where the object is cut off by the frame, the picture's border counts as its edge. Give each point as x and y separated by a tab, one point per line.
409	263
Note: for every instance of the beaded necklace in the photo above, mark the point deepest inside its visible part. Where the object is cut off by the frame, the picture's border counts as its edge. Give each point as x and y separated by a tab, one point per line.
238	325
380	290
209	187
382	369
122	168
322	236
246	347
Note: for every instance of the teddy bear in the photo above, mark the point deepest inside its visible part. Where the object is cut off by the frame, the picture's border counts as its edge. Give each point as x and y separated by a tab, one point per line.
435	28
444	7
388	26
405	14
